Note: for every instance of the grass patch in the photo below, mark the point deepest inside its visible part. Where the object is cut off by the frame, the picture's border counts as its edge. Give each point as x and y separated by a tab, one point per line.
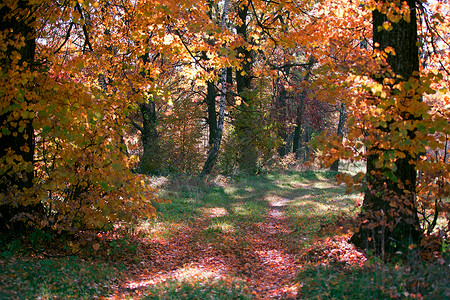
219	289
62	278
411	281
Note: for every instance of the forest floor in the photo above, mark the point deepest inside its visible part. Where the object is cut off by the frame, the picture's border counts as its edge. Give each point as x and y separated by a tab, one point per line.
274	236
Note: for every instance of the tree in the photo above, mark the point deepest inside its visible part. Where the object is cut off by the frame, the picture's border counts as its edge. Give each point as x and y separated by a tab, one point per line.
392	123
340	133
247	155
17	138
62	151
390	205
218	130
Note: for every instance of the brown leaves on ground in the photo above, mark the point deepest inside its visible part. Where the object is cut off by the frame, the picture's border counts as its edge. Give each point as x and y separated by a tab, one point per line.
261	258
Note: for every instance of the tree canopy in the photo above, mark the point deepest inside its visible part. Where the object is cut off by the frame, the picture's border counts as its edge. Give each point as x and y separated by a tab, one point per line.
97	94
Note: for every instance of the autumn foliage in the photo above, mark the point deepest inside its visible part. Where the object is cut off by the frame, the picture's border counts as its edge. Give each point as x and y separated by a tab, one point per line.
95	95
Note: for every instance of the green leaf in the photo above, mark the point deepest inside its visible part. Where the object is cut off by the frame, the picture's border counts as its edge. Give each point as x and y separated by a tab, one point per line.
116	166
105	186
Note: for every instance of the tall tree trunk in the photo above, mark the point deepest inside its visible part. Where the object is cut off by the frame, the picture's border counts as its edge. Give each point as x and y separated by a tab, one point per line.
212	115
17	133
340	133
214	150
150	159
301	108
247	155
283	150
298	130
390	220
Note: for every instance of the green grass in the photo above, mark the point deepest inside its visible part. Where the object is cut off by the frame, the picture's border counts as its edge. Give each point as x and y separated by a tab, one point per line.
218	289
62	278
378	281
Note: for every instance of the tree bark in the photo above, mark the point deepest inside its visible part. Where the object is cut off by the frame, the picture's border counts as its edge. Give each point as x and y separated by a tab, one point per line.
17	133
389	220
212	115
247	152
214	150
150	160
340	133
298	129
283	150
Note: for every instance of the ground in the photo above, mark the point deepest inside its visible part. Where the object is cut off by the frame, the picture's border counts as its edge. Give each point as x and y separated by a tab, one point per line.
275	236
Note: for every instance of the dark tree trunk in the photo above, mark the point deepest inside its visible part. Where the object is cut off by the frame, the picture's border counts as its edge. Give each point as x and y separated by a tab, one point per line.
283	150
301	109
297	133
340	133
247	156
390	220
212	115
150	159
17	133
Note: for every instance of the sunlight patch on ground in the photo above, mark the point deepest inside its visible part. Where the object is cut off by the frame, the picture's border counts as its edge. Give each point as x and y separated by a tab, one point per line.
323	185
273	228
278	263
230	190
294	184
222	181
276	201
214	212
161	230
222	226
249	189
207	268
273	258
307	207
240	209
346	200
277	214
158	181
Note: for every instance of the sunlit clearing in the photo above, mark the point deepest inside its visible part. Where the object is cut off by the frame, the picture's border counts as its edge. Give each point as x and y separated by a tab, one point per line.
323	185
273	258
240	209
214	212
208	268
276	201
160	230
308	207
222	226
249	189
158	181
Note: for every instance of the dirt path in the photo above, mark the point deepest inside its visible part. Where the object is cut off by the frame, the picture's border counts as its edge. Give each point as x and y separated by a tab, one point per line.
274	273
259	259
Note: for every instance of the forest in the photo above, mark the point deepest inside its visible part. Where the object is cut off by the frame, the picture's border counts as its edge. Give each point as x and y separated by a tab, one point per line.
224	149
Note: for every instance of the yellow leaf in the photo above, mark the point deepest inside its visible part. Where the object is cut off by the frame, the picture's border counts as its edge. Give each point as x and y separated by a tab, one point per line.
387	26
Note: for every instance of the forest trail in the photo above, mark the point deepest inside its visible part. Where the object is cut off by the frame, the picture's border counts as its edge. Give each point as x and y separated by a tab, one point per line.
254	237
260	259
